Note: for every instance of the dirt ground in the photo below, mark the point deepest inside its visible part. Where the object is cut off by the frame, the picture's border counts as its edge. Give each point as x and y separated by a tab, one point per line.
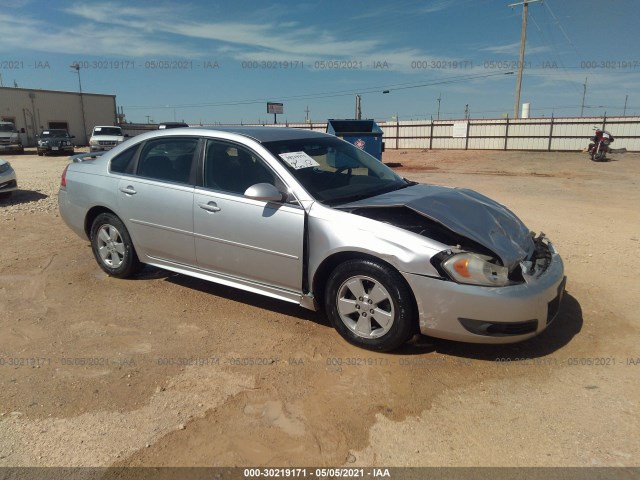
166	370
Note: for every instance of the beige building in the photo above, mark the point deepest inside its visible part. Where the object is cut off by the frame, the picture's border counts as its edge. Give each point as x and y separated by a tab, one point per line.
34	110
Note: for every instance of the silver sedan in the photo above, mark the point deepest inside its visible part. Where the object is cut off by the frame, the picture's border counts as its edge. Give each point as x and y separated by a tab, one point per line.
308	218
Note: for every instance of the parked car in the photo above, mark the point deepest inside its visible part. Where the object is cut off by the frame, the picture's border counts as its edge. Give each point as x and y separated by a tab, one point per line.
10	140
308	218
104	138
8	180
56	141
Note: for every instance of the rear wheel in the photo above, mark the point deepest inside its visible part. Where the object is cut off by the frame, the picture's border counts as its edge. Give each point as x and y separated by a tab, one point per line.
370	305
112	246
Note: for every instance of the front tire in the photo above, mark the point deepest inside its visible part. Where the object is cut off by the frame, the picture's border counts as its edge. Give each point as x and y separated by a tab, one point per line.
370	305
112	247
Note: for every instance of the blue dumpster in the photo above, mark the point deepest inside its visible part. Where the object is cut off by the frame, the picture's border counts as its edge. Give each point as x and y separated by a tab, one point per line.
364	134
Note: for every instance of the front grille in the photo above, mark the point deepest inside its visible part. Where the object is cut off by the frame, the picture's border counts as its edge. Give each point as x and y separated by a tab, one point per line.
5	141
495	329
106	143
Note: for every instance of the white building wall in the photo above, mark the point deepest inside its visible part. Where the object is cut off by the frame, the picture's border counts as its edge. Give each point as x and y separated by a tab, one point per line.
34	110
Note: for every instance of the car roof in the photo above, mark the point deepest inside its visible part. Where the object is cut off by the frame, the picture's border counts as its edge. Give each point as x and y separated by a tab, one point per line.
267	134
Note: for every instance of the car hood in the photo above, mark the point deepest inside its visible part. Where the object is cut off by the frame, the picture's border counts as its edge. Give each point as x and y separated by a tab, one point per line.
465	212
56	138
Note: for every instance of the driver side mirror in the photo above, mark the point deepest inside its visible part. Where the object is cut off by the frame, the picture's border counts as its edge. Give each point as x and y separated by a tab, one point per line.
265	192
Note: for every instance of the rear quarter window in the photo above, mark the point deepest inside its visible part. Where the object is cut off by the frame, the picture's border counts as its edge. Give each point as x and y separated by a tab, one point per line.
123	163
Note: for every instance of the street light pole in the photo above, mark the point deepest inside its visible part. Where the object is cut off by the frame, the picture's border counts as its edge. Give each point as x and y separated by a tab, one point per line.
76	67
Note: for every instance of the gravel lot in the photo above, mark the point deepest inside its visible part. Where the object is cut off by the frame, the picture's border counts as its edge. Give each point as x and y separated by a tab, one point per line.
168	370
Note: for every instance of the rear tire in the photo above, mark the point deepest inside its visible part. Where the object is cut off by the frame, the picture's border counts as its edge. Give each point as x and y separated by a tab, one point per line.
370	305
112	247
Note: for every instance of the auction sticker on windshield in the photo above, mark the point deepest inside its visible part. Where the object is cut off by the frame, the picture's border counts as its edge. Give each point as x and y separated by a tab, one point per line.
299	160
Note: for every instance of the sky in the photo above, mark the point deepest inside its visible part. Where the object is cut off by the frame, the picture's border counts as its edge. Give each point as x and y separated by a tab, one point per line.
221	62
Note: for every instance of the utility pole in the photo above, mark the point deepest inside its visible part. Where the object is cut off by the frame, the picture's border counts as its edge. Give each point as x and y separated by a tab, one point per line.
624	112
76	67
584	94
466	111
439	98
306	117
523	41
358	110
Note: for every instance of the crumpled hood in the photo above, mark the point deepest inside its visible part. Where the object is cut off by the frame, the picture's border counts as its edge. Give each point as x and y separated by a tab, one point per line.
466	213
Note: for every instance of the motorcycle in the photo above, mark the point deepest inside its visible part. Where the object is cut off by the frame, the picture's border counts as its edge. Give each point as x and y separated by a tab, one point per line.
599	147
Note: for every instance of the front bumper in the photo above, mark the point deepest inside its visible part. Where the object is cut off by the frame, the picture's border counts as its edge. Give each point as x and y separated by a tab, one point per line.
102	148
66	149
509	314
8	182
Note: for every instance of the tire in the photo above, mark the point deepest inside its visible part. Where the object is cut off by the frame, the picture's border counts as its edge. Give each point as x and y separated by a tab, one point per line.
370	305
112	247
40	154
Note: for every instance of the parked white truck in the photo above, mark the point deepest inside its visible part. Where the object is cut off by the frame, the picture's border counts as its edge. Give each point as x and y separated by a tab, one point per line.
10	138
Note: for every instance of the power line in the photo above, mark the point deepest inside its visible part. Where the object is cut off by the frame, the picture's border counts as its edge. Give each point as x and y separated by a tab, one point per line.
340	93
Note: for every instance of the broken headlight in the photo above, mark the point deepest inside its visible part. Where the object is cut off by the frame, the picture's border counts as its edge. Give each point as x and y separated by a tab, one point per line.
475	269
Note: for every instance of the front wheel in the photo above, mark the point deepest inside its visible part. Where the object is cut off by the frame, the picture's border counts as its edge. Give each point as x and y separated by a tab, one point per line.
370	305
112	246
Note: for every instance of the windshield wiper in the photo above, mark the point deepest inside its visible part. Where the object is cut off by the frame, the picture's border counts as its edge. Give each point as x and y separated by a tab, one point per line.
362	196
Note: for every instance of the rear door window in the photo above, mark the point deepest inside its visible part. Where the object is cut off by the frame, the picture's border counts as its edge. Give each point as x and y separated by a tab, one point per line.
168	159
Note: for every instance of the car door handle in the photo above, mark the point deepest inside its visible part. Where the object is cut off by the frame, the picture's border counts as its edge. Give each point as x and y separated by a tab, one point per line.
210	207
129	190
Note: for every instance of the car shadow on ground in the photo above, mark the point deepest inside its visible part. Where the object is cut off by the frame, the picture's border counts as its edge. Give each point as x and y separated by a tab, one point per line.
567	324
19	197
249	298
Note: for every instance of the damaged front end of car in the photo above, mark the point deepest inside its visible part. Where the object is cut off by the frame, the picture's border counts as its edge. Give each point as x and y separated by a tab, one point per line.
499	282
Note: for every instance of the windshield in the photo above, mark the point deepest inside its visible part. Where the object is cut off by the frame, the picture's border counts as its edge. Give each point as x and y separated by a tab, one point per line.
334	171
107	131
54	133
7	127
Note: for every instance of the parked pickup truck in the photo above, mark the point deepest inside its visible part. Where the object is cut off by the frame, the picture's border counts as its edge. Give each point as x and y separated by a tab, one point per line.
10	138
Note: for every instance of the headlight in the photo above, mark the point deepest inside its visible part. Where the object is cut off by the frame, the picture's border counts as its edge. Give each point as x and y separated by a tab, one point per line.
43	143
93	142
474	269
5	167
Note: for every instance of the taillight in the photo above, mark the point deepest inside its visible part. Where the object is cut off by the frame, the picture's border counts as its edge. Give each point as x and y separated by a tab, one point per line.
63	179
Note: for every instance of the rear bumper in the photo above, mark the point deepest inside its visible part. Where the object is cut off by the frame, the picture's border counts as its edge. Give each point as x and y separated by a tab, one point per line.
477	314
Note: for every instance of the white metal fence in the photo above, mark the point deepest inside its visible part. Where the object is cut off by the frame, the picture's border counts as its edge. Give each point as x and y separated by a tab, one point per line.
551	134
